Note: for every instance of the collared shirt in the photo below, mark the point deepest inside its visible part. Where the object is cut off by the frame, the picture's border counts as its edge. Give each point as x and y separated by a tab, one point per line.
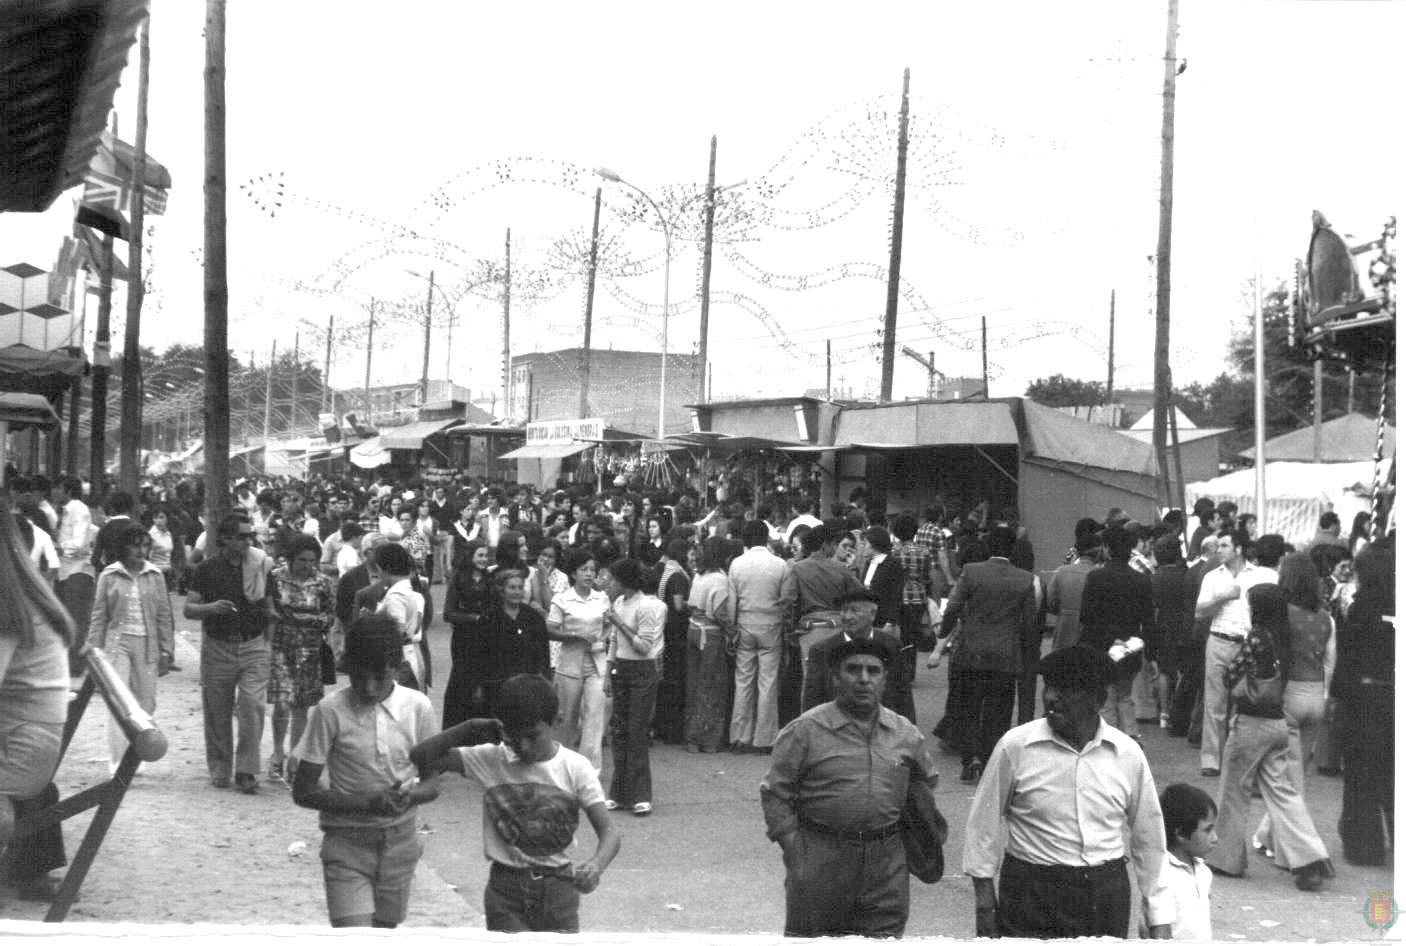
366	748
761	587
917	571
821	583
645	614
832	769
1066	807
404	605
582	619
930	537
875	561
804	519
1232	618
1183	899
75	540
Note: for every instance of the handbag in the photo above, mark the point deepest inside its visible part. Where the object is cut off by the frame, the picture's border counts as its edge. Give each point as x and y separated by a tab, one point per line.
923	829
329	664
1260	696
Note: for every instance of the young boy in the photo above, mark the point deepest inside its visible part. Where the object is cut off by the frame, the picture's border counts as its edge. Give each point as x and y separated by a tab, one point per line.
1183	895
363	735
534	789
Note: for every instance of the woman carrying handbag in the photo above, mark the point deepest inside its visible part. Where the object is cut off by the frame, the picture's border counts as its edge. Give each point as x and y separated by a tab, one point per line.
1257	753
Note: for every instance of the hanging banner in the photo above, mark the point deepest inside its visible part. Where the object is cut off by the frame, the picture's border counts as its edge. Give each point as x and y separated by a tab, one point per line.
552	432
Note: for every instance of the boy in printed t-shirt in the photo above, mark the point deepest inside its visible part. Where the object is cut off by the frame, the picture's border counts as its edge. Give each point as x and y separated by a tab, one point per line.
534	790
363	734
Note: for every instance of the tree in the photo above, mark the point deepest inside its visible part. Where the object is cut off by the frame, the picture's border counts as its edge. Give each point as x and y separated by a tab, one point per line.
1059	391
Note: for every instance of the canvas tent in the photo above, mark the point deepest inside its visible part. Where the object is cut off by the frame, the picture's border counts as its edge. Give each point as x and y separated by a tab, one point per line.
1350	437
1298	494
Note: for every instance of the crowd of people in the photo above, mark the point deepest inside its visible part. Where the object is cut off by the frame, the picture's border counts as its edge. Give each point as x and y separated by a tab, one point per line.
651	617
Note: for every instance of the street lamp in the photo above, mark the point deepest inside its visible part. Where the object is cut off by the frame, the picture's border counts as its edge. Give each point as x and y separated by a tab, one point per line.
614	178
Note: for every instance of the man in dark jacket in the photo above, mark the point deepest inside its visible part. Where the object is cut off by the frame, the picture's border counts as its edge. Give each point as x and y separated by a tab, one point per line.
995	601
1172	647
1117	608
1186	700
858	621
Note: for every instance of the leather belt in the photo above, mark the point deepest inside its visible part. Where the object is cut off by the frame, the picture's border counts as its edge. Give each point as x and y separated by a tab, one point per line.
1228	637
871	834
564	872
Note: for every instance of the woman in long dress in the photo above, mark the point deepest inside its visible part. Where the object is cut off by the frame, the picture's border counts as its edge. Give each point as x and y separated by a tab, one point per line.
305	601
466	602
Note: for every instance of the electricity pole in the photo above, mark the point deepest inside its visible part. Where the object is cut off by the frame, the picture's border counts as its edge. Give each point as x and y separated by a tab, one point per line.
584	408
268	392
507	311
1112	308
425	368
370	334
1161	356
130	461
216	406
710	204
327	369
895	250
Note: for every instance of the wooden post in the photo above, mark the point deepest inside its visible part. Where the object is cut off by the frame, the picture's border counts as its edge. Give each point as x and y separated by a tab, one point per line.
326	401
268	392
1317	410
130	459
710	204
293	394
583	410
507	324
425	368
1112	308
895	251
1161	356
102	371
985	382
216	407
828	392
370	333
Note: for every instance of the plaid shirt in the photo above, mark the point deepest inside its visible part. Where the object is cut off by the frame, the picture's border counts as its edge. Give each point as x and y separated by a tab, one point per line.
917	571
930	535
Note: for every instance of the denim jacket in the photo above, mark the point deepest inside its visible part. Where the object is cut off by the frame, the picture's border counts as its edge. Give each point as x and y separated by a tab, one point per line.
156	608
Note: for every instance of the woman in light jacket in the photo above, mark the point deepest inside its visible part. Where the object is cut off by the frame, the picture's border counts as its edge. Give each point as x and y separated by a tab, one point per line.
132	623
577	619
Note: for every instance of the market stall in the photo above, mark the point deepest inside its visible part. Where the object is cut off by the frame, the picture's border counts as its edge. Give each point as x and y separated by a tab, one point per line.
1298	494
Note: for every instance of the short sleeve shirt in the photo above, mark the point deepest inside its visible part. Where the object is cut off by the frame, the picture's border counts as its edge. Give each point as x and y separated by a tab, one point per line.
531	809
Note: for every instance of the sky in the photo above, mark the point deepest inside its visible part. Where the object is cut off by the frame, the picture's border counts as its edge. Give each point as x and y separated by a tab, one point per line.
399	143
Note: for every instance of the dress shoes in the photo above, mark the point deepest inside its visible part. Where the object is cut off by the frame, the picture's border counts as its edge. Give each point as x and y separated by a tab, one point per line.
971	772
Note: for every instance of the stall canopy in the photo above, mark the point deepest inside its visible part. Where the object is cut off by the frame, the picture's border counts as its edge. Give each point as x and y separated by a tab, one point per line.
1350	437
927	424
546	451
369	454
1298	493
27	410
412	436
1058	438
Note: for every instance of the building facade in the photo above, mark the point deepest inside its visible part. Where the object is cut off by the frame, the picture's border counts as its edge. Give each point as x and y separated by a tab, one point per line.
624	388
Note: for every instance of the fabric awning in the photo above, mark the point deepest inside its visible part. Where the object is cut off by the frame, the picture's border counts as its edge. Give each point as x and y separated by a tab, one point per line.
27	410
546	451
369	454
412	436
1056	436
928	424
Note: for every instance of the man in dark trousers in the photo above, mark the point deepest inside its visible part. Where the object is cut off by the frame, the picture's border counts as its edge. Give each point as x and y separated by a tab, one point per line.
834	809
995	601
1058	796
858	617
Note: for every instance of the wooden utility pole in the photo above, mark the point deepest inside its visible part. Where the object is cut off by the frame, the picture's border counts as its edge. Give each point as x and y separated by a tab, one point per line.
1161	355
327	369
1351	384
583	410
829	394
425	368
1317	410
507	324
985	377
895	251
710	205
102	370
1112	308
370	334
130	459
268	392
293	394
216	407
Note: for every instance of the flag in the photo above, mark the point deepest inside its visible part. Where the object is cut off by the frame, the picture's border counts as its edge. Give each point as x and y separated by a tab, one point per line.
91	255
107	187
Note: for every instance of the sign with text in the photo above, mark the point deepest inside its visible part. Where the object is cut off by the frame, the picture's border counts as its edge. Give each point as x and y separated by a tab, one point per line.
548	432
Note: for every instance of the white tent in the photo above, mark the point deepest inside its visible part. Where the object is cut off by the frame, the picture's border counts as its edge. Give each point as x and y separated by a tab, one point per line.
1298	493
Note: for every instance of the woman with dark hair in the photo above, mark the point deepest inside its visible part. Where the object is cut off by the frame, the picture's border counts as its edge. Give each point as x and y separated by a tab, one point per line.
168	548
1361	533
1309	654
511	640
1256	753
672	589
1364	686
651	544
466	601
635	622
508	554
711	637
414	542
305	602
576	620
464	531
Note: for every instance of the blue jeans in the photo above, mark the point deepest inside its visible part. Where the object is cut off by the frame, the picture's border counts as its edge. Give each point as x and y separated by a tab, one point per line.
234	681
633	686
520	900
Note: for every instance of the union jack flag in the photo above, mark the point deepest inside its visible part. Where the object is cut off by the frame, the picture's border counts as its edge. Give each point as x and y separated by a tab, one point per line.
107	189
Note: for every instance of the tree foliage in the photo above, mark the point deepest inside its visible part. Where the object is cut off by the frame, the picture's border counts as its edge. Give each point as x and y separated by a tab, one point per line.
1059	391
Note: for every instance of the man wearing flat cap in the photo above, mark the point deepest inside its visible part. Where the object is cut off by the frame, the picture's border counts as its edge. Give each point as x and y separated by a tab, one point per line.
832	799
1066	787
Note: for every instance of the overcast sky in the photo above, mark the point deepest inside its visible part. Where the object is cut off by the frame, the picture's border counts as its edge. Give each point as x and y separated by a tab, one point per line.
1032	189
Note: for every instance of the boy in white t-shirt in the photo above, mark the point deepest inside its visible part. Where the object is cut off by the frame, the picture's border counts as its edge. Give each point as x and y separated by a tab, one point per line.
1182	897
534	790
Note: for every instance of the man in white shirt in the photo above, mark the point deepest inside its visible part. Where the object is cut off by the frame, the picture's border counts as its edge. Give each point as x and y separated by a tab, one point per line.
404	605
1224	601
761	590
802	514
77	579
1064	872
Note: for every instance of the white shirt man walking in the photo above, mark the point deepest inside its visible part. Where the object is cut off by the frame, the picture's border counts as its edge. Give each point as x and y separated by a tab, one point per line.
762	590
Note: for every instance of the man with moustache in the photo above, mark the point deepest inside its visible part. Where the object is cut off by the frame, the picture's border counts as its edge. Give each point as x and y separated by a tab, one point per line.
832	799
1064	871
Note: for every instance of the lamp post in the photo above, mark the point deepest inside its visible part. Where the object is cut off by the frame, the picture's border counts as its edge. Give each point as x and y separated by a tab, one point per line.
449	331
614	178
